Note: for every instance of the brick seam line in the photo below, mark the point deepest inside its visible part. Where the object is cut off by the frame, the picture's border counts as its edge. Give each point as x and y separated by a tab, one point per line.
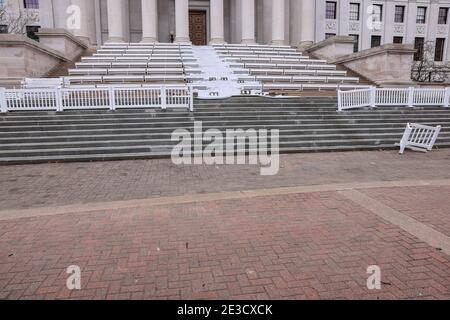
11	214
418	229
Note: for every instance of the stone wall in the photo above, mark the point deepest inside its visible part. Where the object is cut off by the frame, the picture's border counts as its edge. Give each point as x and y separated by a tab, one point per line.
22	57
62	41
332	48
387	65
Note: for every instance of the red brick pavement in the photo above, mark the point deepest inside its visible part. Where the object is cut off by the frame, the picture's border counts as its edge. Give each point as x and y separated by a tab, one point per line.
298	246
72	183
429	205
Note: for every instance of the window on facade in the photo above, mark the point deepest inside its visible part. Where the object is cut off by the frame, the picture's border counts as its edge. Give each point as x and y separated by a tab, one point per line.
421	15
329	35
331	10
439	49
418	45
399	14
377	12
375	41
443	15
3	28
355	42
2	3
31	4
398	40
354	12
31	32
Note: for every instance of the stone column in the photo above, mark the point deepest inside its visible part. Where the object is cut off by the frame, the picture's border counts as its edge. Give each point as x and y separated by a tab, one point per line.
149	21
116	21
307	23
278	22
84	31
217	21
248	21
182	21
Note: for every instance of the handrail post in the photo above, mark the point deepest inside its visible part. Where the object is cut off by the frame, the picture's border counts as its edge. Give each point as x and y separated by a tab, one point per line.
3	103
163	98
58	97
191	99
372	97
446	97
411	97
339	93
112	98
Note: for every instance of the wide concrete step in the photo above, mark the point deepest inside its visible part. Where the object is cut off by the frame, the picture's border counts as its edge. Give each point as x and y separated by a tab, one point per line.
304	124
52	116
44	121
254	123
151	129
144	135
79	154
166	141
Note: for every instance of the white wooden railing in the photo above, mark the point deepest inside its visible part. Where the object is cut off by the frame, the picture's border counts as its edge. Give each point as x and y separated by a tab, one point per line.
111	98
409	97
419	137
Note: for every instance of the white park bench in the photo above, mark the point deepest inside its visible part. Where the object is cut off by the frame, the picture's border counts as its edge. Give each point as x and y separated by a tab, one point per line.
127	71
165	78
165	71
36	83
127	65
419	137
83	79
93	65
123	78
87	71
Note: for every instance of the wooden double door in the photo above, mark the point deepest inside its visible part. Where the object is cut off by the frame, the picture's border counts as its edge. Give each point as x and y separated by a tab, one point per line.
197	27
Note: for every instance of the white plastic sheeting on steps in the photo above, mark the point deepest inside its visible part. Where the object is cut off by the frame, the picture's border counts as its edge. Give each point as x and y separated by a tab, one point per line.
213	67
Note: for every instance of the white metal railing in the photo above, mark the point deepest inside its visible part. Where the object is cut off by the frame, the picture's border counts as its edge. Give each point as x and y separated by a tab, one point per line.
409	97
108	97
419	137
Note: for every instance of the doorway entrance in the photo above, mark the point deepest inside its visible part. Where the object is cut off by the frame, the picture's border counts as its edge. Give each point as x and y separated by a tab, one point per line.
197	27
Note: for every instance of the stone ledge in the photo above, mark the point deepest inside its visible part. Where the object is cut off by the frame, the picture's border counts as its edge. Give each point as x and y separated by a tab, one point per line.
9	40
59	32
384	49
330	41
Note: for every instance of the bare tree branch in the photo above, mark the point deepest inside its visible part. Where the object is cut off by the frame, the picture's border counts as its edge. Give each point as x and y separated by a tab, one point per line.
428	70
17	20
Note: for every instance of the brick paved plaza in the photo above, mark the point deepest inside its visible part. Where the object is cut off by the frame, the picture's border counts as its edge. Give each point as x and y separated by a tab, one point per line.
149	229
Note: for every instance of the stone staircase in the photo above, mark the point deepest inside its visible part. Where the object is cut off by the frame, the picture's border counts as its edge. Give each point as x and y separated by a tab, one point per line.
307	124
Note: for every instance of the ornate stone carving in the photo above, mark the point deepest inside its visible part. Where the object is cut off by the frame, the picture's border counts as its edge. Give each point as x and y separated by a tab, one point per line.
331	25
354	27
420	29
399	28
442	30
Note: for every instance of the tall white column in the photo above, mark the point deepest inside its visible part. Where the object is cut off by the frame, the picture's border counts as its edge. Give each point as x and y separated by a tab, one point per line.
182	21
217	21
116	20
278	22
86	28
248	21
149	21
307	23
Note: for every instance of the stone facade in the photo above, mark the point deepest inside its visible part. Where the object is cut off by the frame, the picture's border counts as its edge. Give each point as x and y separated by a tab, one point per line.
294	22
19	57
